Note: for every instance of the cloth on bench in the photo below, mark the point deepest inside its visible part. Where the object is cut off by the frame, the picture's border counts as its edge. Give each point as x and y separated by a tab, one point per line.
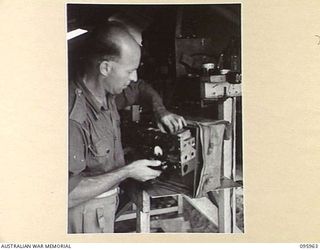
212	135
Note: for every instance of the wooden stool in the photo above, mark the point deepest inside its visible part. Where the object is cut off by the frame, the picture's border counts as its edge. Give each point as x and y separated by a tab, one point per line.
220	215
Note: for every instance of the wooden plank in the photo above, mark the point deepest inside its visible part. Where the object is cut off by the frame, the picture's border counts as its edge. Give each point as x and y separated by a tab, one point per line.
130	216
225	113
180	204
234	209
205	207
227	183
236	229
143	222
234	136
158	192
143	213
224	211
227	216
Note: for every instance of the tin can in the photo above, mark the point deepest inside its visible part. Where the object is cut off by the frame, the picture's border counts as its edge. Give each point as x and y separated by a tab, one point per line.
207	69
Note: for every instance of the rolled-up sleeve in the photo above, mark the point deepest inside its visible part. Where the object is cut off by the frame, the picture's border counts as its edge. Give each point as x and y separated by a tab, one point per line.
77	162
139	93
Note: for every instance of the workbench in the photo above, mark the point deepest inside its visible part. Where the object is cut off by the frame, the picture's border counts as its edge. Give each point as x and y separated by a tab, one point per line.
223	214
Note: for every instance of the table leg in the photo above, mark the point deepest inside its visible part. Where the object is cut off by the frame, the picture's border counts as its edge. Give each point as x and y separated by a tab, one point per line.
143	213
225	219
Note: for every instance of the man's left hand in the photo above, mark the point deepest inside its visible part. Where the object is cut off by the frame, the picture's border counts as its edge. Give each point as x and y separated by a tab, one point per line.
172	122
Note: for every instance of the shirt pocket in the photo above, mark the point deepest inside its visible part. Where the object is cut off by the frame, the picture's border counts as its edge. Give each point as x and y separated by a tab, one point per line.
100	154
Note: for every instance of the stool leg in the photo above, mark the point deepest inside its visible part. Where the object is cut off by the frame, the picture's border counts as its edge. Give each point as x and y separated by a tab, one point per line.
224	211
180	204
143	213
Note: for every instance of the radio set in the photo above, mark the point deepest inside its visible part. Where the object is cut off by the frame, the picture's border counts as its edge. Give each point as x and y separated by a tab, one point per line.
177	152
191	157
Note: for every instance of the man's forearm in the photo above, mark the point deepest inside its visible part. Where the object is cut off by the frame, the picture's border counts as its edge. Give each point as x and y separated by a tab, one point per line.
90	187
139	93
149	95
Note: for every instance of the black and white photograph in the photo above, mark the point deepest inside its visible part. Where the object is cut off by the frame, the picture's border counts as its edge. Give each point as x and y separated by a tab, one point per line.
155	118
129	124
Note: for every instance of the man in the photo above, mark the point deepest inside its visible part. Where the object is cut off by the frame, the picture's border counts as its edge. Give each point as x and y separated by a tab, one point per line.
107	82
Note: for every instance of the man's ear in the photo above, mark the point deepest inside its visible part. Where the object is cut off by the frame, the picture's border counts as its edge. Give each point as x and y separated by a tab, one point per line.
105	67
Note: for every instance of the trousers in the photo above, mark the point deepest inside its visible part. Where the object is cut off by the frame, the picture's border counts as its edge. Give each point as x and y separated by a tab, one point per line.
94	216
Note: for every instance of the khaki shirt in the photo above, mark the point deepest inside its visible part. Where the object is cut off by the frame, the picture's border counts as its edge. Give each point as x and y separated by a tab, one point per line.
94	129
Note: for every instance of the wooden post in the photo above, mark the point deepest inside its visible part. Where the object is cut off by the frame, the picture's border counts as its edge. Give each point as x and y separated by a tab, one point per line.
180	204
233	196
143	213
224	217
205	207
226	112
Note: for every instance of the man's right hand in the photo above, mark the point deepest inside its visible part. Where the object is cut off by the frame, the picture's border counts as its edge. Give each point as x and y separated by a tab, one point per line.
140	170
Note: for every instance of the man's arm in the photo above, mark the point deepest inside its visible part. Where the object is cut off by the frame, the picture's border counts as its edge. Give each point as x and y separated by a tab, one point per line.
83	188
139	92
90	187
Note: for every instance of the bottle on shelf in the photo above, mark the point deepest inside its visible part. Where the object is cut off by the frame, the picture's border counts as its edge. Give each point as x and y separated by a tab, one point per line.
235	56
220	64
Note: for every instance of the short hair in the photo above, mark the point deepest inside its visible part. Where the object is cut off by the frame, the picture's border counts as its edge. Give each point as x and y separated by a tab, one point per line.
101	44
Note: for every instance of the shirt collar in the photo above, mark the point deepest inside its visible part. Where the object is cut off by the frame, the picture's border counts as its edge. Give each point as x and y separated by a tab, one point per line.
94	104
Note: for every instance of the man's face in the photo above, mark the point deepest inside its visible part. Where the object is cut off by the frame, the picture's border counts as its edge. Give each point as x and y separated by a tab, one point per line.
123	71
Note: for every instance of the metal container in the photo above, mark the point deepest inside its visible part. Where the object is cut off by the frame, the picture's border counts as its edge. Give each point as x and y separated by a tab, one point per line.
207	69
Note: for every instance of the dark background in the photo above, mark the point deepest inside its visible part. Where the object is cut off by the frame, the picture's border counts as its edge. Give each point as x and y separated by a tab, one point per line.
200	32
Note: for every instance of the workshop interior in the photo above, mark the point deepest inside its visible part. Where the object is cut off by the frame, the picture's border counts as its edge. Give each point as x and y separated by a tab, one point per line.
191	55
